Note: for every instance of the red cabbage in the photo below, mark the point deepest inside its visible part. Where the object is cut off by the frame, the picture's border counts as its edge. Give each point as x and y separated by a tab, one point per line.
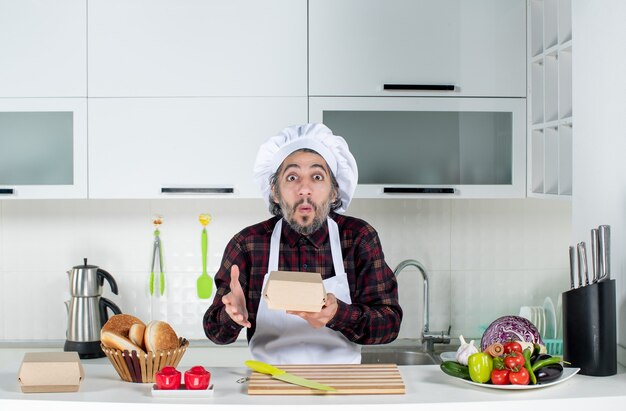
510	328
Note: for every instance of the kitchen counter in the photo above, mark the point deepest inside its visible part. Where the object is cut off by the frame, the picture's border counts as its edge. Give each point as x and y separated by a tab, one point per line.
426	388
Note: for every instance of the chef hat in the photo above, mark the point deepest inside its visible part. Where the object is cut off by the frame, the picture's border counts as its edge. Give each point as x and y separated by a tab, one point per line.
318	137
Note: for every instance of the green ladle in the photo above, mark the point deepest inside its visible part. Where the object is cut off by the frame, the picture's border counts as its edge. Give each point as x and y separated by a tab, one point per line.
205	282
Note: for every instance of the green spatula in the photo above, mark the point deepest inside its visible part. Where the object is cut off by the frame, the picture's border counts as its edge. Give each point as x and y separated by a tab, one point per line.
205	283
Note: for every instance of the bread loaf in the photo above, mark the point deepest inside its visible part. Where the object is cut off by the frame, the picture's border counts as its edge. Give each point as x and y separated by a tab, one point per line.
113	340
116	333
160	336
136	334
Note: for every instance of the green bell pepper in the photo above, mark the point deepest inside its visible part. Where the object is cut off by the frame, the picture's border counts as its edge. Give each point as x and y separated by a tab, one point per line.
480	365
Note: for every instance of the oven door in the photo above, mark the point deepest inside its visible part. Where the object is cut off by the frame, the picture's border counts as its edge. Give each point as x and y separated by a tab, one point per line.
431	147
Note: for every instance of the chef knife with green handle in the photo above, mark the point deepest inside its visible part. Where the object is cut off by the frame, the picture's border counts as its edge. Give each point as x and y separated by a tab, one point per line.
279	374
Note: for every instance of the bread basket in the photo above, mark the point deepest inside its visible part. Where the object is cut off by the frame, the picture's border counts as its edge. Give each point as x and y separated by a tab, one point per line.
134	367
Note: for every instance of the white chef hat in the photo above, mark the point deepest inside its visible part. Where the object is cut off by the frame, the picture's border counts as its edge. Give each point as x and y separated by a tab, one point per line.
318	137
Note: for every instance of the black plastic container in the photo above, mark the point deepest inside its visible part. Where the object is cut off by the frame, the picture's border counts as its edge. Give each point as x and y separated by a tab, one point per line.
589	328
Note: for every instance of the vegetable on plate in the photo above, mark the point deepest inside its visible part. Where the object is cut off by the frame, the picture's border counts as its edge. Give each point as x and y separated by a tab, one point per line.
480	365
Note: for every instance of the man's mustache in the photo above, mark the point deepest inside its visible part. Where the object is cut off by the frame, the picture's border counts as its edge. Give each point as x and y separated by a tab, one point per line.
303	201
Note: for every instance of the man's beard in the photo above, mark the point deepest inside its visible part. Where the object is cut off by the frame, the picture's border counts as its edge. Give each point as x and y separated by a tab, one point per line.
321	212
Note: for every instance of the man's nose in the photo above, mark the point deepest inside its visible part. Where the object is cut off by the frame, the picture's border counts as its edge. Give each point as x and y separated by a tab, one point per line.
305	188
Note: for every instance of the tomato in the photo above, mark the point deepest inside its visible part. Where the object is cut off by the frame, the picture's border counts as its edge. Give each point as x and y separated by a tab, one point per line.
514	361
512	346
480	365
500	377
520	377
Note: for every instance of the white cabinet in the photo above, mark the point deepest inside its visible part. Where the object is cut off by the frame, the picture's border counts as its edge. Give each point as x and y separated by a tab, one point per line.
182	147
431	147
43	48
43	148
184	48
550	114
357	46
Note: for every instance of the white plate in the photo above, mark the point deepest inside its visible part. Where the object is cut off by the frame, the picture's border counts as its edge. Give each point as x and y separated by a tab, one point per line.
548	308
567	374
182	392
448	356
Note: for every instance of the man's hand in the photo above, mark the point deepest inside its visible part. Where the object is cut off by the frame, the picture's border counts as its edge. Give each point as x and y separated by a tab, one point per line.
318	320
235	300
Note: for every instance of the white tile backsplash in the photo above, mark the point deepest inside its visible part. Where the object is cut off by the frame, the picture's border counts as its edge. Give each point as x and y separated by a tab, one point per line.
484	258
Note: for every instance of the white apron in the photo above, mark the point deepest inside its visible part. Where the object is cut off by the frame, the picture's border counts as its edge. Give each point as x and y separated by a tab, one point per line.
282	338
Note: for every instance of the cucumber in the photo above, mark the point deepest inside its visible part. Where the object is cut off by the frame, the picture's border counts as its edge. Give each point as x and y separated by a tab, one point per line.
455	369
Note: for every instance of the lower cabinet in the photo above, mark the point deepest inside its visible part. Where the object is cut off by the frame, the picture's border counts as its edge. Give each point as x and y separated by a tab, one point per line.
182	147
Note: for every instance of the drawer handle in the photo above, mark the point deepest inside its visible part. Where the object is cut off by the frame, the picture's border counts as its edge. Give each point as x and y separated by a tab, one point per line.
420	87
197	190
416	190
6	191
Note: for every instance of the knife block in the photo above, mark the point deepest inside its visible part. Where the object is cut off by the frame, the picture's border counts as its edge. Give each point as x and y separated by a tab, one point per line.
589	328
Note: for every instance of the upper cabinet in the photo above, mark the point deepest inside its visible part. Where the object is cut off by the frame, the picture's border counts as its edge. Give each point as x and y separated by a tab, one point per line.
43	47
191	48
43	148
182	147
431	147
550	136
417	48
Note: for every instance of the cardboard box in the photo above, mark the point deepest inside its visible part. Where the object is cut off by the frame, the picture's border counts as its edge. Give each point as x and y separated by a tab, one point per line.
295	291
50	372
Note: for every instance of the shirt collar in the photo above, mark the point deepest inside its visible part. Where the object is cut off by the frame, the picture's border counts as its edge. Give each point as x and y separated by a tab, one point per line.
317	239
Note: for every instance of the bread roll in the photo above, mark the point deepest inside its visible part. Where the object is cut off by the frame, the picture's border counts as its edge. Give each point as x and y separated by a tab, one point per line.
116	333
160	336
136	333
121	323
114	340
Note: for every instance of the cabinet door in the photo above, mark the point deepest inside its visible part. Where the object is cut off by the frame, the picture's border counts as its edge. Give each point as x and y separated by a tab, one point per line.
43	148
164	48
358	46
43	47
182	147
431	147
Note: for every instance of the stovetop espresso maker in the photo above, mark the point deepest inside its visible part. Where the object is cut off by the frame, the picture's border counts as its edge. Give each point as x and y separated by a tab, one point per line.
87	310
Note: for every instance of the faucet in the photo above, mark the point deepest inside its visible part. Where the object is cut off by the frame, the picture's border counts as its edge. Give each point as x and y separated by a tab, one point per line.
429	338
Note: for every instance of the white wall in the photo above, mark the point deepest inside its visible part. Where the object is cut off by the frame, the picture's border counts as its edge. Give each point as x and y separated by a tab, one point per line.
485	258
599	90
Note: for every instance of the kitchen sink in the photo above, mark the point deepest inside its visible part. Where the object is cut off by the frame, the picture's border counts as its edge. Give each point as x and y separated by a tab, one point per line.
404	352
400	357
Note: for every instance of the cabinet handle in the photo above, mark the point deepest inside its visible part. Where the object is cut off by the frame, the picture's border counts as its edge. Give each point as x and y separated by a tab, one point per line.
416	190
6	191
197	190
420	87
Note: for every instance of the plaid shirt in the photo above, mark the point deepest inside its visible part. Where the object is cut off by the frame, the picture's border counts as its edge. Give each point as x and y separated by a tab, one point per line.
373	317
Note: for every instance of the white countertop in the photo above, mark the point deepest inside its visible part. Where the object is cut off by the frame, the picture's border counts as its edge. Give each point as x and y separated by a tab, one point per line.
426	388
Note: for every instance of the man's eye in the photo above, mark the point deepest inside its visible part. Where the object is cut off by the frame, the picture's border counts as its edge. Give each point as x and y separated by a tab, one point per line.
291	178
318	177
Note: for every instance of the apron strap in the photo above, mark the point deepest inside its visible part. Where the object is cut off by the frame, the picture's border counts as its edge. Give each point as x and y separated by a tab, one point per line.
335	247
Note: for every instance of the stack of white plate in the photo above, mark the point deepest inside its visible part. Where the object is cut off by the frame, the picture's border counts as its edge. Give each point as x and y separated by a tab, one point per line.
542	317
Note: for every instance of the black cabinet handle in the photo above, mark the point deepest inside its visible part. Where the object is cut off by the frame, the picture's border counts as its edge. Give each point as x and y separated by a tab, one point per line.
197	190
416	190
6	191
419	87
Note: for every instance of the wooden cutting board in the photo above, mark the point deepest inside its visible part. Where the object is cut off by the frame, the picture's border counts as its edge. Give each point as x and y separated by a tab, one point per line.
345	378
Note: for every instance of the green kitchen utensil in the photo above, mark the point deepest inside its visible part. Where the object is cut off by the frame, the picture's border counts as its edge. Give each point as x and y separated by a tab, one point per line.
204	283
282	375
157	255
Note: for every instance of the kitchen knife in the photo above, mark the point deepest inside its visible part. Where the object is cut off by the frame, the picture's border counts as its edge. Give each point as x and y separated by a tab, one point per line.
595	264
604	255
572	267
282	375
582	264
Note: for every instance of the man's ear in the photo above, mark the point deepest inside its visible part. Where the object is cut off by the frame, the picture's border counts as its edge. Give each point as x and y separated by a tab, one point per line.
273	191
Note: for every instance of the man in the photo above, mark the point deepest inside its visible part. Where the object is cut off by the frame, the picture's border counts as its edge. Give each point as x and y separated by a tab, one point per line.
307	176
